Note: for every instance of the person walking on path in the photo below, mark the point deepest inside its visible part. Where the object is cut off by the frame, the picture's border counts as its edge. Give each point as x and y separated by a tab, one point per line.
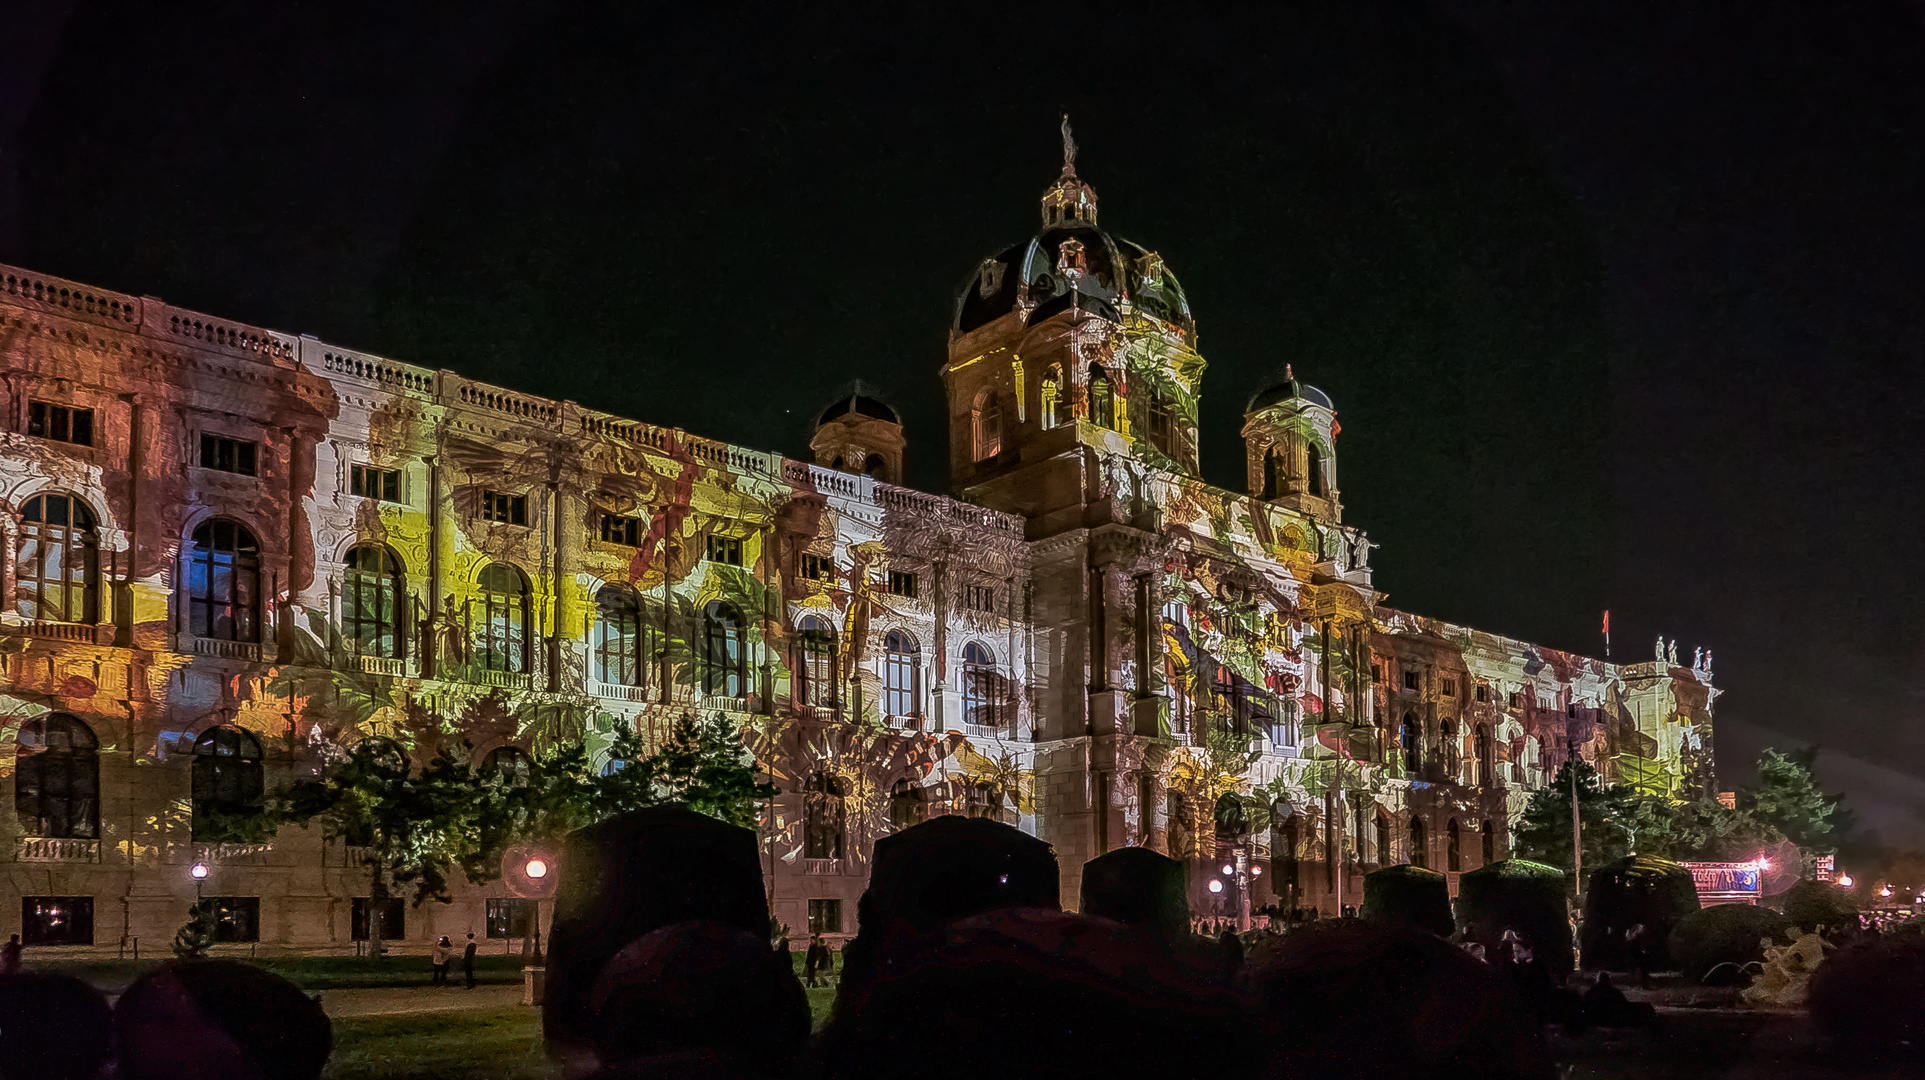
819	959
468	963
442	955
10	956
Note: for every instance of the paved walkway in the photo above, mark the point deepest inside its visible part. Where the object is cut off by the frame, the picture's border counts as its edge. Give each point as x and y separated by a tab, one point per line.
384	1000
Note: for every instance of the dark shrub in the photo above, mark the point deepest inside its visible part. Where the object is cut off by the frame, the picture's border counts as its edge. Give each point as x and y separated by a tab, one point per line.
1705	942
1814	905
216	1019
1637	890
1355	999
52	1027
1409	896
1870	995
1527	897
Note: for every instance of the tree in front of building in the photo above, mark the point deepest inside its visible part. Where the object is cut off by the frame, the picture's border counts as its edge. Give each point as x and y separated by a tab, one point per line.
408	828
702	763
1786	796
196	936
1614	819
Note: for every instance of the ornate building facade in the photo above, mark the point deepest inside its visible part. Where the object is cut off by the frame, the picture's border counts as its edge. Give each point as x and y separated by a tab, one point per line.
230	554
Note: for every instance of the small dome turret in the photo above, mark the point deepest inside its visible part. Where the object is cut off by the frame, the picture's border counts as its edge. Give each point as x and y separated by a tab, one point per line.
860	433
1290	432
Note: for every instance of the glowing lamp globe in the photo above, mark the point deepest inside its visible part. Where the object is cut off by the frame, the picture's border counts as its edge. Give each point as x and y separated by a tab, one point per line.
199	871
1216	886
1844	881
530	871
1256	871
1228	869
536	868
1886	891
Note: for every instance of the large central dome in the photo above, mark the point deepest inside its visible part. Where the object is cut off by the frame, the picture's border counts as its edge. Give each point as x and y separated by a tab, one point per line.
1028	278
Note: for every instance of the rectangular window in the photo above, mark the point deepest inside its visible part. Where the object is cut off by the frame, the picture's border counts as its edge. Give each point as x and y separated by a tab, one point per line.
236	918
1410	680
506	509
902	583
369	482
1376	673
509	917
818	567
725	549
825	916
394	918
626	531
61	423
1517	700
56	920
227	455
1450	687
1483	693
980	598
1162	428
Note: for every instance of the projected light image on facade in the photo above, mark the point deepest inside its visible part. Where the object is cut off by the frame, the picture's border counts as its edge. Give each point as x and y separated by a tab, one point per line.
234	554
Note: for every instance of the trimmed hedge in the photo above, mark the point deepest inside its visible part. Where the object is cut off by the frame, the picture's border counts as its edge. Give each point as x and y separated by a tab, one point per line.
1724	934
1870	995
1637	889
1813	904
1409	896
1523	896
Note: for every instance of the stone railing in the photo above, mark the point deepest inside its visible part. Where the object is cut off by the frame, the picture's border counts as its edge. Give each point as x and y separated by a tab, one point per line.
232	854
96	305
62	631
507	680
380	372
617	692
249	651
382	665
55	849
821	866
526	409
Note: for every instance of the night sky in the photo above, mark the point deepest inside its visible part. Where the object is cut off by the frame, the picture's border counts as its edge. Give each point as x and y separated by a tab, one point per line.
1619	310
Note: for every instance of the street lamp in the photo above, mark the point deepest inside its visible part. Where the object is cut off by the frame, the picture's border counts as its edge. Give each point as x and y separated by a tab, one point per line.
199	873
1844	881
536	868
1216	886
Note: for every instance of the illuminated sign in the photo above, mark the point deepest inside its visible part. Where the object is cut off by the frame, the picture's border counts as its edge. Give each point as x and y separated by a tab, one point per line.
1725	882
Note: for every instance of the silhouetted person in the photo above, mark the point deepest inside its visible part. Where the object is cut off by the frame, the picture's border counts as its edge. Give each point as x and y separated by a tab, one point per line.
1232	947
633	874
52	1027
817	960
10	955
1353	999
219	1020
1606	1006
698	999
440	957
944	869
468	963
1035	993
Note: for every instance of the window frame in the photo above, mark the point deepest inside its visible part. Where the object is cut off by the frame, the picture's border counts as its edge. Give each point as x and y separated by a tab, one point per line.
77	541
502	508
904	583
503	916
726	550
816	666
901	674
824	837
41	413
32	920
386	485
241	565
724	651
982	700
622	530
229	454
387	581
228	774
72	770
619	647
502	638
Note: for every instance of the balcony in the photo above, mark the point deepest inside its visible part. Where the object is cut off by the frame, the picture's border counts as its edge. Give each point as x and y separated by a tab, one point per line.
507	680
47	849
617	692
247	651
232	854
822	866
85	633
382	665
725	704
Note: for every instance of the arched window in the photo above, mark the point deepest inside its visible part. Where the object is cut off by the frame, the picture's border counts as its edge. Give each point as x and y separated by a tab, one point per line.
227	778
1419	844
501	641
1102	399
371	606
620	657
724	653
986	424
823	812
224	582
982	687
816	644
1313	470
724	656
908	805
1384	851
57	570
509	765
1051	390
1162	425
901	673
1453	754
56	779
1453	846
1486	756
1276	473
1490	844
1407	740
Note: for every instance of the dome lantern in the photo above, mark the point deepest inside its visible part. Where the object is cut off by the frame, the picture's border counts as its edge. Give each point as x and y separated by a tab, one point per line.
1069	201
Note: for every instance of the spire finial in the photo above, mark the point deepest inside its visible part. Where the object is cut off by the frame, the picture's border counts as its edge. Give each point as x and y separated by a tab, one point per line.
1069	149
1289	372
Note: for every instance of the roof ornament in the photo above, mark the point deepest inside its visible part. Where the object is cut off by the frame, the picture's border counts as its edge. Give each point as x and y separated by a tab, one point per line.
1069	149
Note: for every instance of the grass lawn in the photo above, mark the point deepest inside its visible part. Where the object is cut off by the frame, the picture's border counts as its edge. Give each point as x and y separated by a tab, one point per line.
482	1044
306	972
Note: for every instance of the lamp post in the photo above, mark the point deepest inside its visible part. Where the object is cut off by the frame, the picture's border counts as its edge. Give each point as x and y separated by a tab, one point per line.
199	874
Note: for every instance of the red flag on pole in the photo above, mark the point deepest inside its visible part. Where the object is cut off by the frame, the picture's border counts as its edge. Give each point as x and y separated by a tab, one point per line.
1607	622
